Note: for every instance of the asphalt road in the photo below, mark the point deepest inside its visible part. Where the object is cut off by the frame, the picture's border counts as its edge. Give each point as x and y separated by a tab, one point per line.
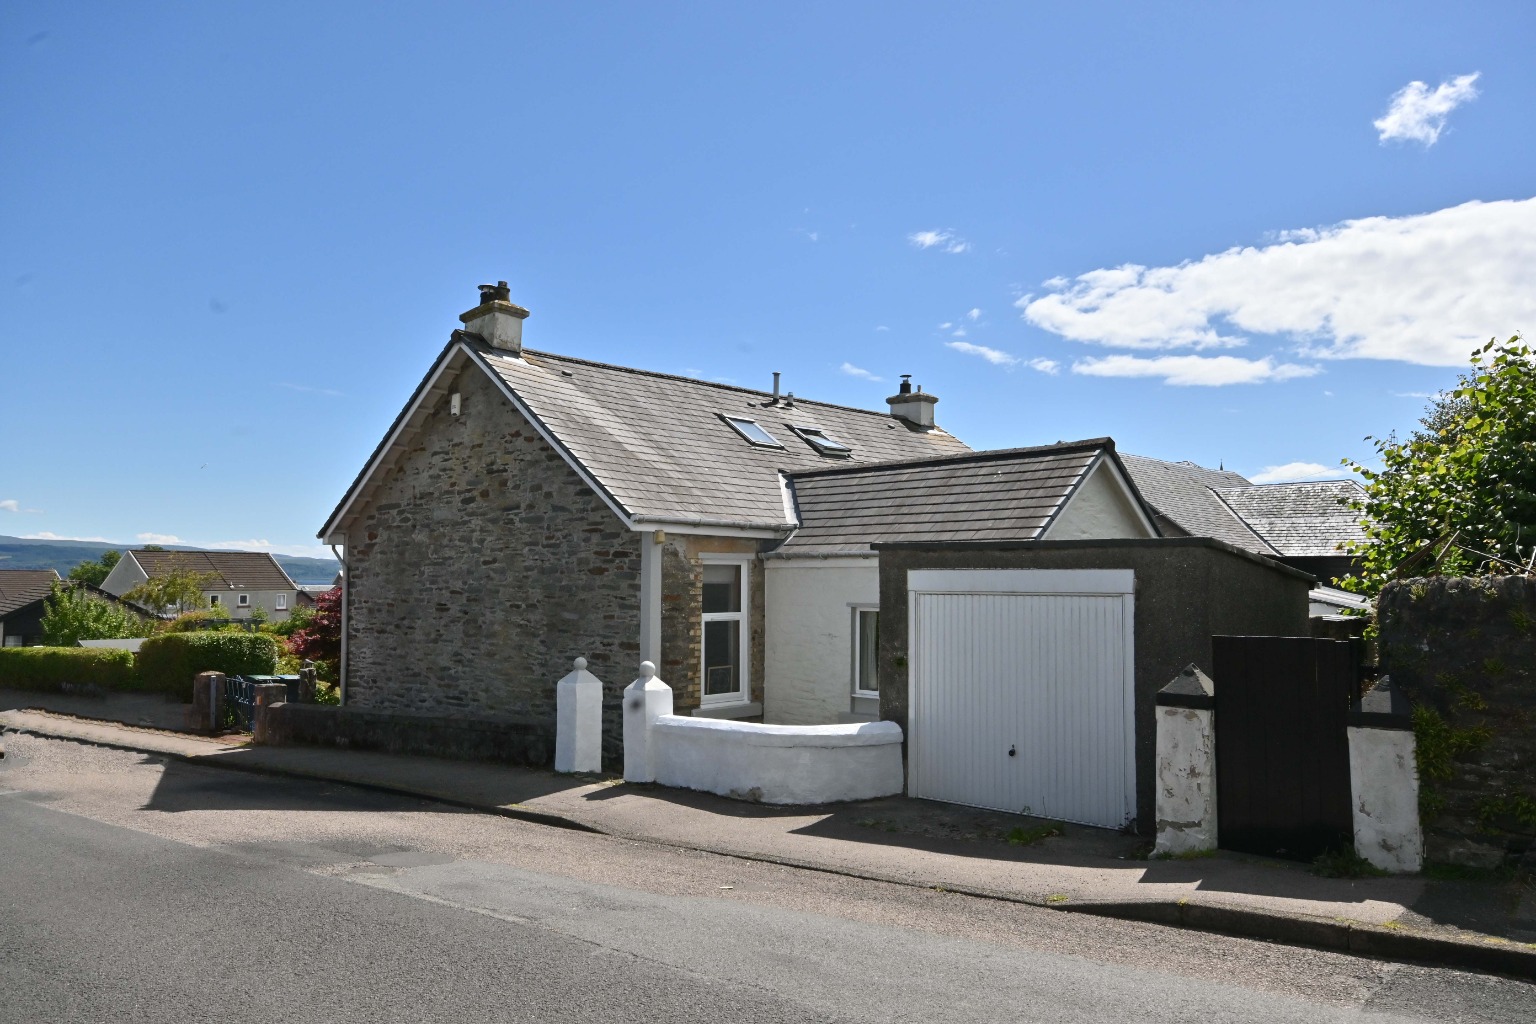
133	889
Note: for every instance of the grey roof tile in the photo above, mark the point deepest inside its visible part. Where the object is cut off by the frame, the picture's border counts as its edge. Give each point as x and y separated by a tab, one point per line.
657	445
1183	493
1308	519
238	570
1001	495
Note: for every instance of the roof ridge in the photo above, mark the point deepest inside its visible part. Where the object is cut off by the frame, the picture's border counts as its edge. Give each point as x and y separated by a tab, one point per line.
689	380
988	455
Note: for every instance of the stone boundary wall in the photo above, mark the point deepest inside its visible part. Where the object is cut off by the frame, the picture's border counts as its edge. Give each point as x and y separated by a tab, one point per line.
1463	650
521	741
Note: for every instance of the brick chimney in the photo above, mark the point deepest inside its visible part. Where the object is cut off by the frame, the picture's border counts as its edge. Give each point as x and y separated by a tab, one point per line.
497	319
913	407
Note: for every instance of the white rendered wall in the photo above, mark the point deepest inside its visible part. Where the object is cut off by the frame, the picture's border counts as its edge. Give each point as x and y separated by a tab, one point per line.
1100	510
808	614
125	575
777	764
1384	784
1186	780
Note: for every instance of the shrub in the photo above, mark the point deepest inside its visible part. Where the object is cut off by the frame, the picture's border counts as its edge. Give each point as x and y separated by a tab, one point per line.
71	614
57	668
169	663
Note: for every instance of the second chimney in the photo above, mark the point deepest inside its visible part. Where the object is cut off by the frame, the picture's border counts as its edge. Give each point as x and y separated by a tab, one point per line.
497	319
913	407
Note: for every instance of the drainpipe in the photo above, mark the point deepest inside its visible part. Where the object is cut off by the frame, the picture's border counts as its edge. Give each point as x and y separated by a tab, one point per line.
346	599
651	548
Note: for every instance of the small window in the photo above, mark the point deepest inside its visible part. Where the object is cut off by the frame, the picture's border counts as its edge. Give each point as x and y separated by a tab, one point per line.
213	600
752	431
244	601
866	645
723	675
282	602
824	445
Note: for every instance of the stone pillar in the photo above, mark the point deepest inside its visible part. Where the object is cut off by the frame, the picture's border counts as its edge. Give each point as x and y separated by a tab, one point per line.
579	721
1384	780
207	702
1186	764
645	699
266	694
307	678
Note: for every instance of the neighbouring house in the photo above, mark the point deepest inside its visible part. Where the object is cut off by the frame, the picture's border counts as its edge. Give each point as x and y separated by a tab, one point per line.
23	597
22	593
525	508
1306	524
238	583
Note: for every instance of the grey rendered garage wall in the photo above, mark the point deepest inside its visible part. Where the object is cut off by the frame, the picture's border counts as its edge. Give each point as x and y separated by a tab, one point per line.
1187	590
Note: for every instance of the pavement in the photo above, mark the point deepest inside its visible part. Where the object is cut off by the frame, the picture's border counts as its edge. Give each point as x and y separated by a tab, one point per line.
1481	924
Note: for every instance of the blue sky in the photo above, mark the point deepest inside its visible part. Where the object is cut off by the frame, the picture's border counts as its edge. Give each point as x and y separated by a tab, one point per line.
234	236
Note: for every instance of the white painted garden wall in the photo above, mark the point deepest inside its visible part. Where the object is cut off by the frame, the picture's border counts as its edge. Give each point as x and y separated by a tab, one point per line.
773	764
808	660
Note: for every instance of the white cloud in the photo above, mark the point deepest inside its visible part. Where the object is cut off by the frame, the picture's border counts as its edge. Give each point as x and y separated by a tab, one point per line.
310	390
1194	371
974	314
1049	366
1426	289
45	535
10	505
1418	113
158	538
959	332
881	327
1299	471
855	371
1414	394
991	355
260	544
945	239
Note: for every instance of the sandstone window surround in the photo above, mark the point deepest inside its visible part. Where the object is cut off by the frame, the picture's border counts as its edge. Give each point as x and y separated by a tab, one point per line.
724	662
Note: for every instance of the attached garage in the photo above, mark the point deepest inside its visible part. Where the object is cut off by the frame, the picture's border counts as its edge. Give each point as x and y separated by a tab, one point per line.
1022	691
1055	650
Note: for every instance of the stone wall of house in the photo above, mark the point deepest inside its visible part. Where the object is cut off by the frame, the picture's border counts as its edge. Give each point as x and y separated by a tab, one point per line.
682	579
1463	649
480	566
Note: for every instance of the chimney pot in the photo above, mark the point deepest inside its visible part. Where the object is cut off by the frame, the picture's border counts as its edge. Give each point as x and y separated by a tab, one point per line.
906	384
498	320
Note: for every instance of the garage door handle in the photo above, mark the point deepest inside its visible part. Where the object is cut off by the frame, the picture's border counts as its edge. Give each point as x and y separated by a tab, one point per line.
1012	750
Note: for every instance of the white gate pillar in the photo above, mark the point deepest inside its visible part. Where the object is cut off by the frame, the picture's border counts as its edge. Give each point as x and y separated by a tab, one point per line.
1186	764
1384	780
579	721
645	700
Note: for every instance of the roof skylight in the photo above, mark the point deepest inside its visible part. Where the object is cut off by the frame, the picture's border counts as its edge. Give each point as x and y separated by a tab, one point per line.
752	431
824	445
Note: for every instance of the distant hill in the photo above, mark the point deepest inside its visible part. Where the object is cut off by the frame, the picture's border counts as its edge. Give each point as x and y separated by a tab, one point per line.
64	555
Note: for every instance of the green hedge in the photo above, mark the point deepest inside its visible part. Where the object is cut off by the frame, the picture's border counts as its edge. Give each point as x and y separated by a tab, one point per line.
169	662
53	668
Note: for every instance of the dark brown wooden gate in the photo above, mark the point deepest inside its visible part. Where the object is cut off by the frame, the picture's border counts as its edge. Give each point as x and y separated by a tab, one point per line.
1282	749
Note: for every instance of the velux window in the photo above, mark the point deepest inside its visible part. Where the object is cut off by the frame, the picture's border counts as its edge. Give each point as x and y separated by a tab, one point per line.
824	445
752	431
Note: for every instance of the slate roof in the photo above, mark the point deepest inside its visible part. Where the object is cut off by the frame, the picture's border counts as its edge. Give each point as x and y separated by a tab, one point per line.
1299	520
1008	495
236	570
1185	495
20	587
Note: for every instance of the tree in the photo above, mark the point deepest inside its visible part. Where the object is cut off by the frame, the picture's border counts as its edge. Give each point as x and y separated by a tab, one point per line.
178	590
72	614
320	641
1459	496
95	573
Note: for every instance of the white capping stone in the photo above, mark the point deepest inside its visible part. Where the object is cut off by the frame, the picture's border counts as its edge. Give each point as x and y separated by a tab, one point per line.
579	721
645	700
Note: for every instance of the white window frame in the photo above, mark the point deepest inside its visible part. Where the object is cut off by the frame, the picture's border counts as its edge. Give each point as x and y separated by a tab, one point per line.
857	610
213	600
281	603
743	695
243	601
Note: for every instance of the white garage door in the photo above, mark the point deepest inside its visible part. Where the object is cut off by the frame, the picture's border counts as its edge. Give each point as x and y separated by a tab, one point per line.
1022	688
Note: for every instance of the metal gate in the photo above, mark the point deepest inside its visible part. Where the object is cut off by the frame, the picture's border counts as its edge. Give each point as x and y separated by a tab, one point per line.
1021	691
1282	749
